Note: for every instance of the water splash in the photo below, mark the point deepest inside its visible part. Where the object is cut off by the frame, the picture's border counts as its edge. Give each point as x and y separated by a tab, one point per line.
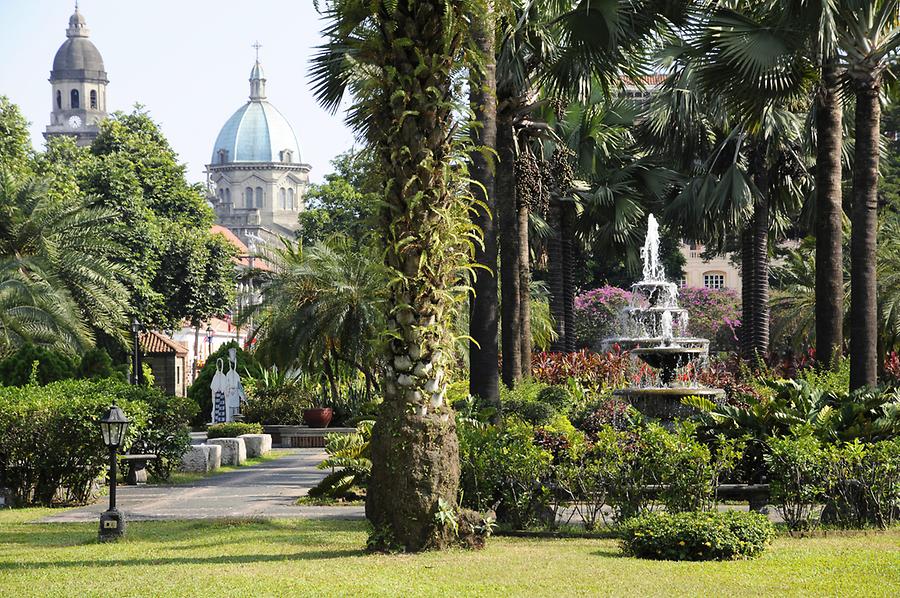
653	269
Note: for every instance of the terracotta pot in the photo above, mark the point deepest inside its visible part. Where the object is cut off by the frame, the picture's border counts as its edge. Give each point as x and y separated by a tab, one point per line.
318	418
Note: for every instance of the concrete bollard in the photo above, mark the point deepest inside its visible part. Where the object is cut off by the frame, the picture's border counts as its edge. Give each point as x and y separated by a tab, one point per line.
257	444
215	456
234	451
196	459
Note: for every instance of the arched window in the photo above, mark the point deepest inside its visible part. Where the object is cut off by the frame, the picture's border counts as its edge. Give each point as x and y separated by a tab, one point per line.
714	280
223	156
221	194
73	99
290	199
227	195
282	197
260	200
58	99
248	197
93	99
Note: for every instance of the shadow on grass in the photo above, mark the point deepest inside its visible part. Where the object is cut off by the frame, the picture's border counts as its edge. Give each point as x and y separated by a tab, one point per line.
313	555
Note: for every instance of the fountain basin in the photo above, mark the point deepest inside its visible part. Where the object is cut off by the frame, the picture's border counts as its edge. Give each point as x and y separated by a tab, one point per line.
664	403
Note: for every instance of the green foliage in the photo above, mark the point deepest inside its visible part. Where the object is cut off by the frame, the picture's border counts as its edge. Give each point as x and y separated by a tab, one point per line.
276	398
199	391
797	470
232	429
15	141
50	444
96	364
699	536
16	369
348	459
558	397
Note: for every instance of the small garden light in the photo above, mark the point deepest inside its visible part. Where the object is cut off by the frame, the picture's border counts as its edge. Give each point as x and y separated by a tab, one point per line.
113	426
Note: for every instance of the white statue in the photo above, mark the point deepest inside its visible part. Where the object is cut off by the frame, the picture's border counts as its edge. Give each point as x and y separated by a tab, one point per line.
227	391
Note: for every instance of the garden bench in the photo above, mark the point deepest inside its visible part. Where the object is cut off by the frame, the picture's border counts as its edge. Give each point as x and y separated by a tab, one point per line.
137	470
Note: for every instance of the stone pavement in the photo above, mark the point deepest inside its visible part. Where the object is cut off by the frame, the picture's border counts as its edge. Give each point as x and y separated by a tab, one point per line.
266	490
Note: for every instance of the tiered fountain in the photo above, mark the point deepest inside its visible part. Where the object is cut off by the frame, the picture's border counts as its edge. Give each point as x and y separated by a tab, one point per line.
654	329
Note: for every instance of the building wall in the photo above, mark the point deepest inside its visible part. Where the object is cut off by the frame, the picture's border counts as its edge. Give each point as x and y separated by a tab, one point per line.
702	273
168	372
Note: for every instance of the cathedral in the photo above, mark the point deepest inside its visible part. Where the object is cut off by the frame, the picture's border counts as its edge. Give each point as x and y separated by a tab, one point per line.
78	82
256	177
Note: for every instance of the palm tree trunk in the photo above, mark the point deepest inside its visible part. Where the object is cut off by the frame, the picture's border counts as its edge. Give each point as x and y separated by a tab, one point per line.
568	250
510	271
747	280
760	290
829	213
864	237
524	284
484	377
555	267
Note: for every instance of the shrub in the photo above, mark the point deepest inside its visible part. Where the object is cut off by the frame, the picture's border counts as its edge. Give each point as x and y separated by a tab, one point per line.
51	449
597	371
557	397
698	536
536	414
713	314
16	369
797	471
96	364
276	398
233	429
596	314
348	459
863	484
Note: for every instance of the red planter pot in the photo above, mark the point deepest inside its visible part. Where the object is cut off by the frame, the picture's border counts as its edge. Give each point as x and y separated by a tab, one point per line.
318	418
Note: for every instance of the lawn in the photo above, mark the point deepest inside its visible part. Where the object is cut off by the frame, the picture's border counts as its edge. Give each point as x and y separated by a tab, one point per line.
323	558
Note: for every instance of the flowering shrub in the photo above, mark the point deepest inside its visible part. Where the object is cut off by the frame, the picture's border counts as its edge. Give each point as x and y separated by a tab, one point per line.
595	370
596	312
714	314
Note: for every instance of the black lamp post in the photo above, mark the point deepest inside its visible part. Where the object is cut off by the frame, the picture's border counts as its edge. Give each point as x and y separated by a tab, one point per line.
209	340
113	426
137	375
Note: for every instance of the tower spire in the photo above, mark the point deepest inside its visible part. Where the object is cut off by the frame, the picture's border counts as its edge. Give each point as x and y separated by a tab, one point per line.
257	77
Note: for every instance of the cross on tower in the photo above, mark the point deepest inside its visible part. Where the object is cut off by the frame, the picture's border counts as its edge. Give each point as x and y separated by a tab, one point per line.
256	45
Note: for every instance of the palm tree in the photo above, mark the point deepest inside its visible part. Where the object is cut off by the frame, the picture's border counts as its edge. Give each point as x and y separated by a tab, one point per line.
65	248
321	307
398	59
868	35
484	380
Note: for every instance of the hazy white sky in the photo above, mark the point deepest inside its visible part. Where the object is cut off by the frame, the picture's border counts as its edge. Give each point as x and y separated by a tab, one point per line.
187	61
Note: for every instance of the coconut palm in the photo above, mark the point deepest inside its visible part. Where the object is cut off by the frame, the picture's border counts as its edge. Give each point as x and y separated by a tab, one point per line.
398	60
65	249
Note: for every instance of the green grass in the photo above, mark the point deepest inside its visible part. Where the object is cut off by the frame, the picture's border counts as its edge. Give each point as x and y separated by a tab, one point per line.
183	477
324	558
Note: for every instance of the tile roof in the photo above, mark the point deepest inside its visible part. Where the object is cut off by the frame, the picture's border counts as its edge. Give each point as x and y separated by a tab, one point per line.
153	342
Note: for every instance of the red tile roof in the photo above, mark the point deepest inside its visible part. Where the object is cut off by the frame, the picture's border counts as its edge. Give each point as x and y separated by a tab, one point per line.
153	342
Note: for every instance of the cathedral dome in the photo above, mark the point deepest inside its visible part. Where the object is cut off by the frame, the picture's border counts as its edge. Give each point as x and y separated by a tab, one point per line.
78	57
257	132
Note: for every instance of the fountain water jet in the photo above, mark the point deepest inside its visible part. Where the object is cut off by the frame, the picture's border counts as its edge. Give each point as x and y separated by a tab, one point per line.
654	329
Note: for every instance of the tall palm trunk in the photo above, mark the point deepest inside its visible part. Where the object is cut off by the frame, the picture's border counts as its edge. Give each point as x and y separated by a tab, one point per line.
863	240
555	267
829	212
524	284
746	334
484	378
510	271
755	293
568	254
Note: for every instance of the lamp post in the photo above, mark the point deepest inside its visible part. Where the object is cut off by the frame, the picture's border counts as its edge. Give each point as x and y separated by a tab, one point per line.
137	374
209	340
113	426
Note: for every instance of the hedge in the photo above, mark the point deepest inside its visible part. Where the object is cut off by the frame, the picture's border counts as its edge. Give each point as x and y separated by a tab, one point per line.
233	429
51	449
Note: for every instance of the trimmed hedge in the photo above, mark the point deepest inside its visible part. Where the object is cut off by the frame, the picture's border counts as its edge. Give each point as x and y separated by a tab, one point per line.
233	429
697	536
51	450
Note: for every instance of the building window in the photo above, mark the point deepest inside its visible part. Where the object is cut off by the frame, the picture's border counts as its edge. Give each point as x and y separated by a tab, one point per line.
93	99
282	198
222	194
260	200
714	280
290	199
59	99
287	155
227	195
223	156
73	99
248	197
682	282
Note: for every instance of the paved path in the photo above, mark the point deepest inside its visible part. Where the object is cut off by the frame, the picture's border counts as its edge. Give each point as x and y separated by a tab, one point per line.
265	490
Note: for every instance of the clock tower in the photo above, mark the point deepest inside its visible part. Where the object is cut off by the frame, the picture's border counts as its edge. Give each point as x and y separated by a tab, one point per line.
78	85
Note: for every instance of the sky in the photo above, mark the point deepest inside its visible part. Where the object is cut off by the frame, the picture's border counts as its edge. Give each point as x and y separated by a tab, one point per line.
186	61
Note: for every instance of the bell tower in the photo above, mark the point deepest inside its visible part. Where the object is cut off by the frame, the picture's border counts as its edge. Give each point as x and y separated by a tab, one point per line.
78	85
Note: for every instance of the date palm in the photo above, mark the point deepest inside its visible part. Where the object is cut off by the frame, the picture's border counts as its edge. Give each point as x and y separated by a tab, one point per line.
398	59
64	249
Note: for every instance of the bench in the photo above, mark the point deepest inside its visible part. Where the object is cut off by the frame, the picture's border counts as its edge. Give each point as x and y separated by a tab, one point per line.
137	470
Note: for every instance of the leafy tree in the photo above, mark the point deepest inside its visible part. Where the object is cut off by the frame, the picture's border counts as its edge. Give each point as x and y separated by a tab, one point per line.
15	143
17	369
345	204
